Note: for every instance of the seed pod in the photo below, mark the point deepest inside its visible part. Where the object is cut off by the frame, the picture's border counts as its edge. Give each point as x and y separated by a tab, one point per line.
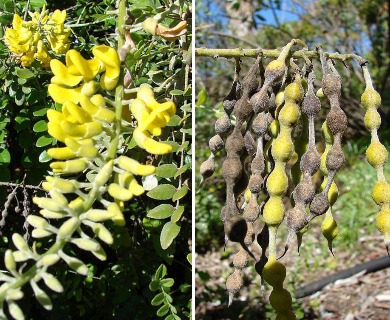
280	300
319	205
243	109
376	154
216	144
296	219
310	161
250	234
260	101
337	121
222	125
304	192
233	284
207	168
240	259
231	170
255	183
381	192
235	143
335	159
274	273
260	124
252	210
331	85
311	105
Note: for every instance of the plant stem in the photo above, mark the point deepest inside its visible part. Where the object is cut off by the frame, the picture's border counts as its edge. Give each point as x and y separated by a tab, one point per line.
273	53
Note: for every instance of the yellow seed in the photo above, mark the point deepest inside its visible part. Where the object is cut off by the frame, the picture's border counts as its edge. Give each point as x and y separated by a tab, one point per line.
280	299
376	154
282	148
383	221
329	228
381	192
293	92
289	115
372	119
273	212
277	181
370	98
274	273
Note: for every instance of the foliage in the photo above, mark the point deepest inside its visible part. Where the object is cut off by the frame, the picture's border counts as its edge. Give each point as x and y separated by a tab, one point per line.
97	161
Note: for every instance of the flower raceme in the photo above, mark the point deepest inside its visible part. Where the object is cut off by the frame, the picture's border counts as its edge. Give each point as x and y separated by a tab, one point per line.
33	39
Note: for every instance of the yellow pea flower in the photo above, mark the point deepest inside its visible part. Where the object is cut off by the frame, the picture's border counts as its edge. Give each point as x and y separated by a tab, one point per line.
79	66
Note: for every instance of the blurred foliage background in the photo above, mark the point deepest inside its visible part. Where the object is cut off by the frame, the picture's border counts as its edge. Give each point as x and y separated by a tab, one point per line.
120	287
344	26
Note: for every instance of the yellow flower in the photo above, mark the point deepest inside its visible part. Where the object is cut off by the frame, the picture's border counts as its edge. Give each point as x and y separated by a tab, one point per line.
35	38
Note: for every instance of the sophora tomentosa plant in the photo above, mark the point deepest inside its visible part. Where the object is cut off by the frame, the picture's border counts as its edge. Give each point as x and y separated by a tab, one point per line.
268	132
93	173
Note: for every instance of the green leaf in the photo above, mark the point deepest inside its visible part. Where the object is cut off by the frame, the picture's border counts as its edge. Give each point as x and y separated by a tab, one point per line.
24	73
40	126
5	156
44	157
6	18
7	5
161	272
168	282
154	285
40	112
168	233
163	310
180	193
176	215
202	97
189	258
44	141
174	121
176	92
162	192
38	3
157	300
180	171
166	170
162	211
187	107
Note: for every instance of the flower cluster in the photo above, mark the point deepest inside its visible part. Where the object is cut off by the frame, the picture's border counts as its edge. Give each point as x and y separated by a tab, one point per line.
151	117
33	39
84	113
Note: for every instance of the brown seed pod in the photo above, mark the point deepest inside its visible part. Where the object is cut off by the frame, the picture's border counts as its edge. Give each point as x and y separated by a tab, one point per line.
310	161
304	192
260	101
230	100
296	219
235	143
207	168
331	85
250	234
252	210
255	183
228	211
311	105
335	158
222	125
260	124
231	170
243	109
233	284
319	205
250	83
216	144
257	165
337	121
274	72
249	143
241	259
241	184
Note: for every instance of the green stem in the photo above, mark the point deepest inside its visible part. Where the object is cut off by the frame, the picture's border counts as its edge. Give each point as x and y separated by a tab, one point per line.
272	53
